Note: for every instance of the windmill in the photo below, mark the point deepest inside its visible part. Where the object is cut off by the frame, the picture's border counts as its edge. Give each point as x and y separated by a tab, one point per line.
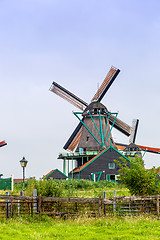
93	133
92	109
92	138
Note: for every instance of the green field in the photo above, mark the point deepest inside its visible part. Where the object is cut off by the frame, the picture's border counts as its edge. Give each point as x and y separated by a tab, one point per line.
81	228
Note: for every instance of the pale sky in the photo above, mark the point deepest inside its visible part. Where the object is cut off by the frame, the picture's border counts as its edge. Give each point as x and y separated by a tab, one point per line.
74	43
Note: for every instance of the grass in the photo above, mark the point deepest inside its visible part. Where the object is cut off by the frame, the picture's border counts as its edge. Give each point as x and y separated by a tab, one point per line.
94	193
108	228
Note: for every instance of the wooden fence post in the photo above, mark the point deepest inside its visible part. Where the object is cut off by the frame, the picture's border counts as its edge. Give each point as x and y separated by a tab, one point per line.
11	207
7	206
114	201
104	205
157	203
99	206
39	204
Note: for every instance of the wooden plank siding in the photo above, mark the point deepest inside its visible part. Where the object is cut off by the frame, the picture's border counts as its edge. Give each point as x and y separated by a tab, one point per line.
100	163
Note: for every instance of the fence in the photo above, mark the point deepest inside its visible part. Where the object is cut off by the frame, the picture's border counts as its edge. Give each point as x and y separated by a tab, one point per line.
6	183
134	205
18	205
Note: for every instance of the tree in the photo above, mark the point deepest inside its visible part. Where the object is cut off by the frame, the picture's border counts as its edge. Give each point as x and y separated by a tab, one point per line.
136	178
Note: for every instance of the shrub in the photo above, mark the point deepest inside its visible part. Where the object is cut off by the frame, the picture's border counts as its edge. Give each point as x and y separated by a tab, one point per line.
137	179
69	188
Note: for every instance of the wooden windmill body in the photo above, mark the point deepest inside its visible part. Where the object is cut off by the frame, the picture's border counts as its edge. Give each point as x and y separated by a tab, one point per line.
95	119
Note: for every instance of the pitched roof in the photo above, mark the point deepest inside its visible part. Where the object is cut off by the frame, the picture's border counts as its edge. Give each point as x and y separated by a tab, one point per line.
48	174
97	156
132	146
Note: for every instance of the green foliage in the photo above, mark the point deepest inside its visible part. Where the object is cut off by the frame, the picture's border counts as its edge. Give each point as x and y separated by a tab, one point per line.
19	186
86	184
58	188
48	188
137	179
66	188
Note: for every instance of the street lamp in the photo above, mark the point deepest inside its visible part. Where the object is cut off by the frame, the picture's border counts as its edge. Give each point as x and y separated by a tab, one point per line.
23	163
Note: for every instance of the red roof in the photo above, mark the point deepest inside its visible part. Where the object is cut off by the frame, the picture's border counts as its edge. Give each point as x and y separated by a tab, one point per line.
18	180
49	173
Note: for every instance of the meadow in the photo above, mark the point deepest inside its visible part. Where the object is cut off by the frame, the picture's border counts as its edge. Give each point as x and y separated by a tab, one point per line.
138	228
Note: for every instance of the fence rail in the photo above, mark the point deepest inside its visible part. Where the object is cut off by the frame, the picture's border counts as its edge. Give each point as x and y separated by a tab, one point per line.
126	205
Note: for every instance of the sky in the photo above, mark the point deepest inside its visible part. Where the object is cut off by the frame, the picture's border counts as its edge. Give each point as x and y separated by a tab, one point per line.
74	43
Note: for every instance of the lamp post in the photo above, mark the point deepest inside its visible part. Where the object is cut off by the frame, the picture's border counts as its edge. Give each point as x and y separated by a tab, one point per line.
23	163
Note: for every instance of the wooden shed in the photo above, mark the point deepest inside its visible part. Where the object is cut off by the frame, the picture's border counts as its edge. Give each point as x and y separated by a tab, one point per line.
100	167
55	174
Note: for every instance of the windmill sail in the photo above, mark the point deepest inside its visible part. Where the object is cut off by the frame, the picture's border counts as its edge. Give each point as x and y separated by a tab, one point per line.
135	123
111	76
3	143
75	141
70	97
74	138
120	125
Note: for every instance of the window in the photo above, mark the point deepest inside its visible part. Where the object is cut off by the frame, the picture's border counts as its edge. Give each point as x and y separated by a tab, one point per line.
111	165
95	111
111	178
81	150
87	138
102	111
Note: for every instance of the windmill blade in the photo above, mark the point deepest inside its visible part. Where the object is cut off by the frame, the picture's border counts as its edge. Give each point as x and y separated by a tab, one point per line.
3	143
120	125
70	97
111	76
150	149
121	146
74	138
134	129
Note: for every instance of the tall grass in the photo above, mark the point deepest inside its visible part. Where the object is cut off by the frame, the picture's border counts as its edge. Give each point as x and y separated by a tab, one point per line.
71	188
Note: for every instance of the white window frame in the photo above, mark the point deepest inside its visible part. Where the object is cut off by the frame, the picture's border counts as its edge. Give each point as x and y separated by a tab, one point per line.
111	167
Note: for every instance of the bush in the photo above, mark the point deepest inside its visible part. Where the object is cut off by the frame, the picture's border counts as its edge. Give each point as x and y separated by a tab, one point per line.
65	188
137	179
48	188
